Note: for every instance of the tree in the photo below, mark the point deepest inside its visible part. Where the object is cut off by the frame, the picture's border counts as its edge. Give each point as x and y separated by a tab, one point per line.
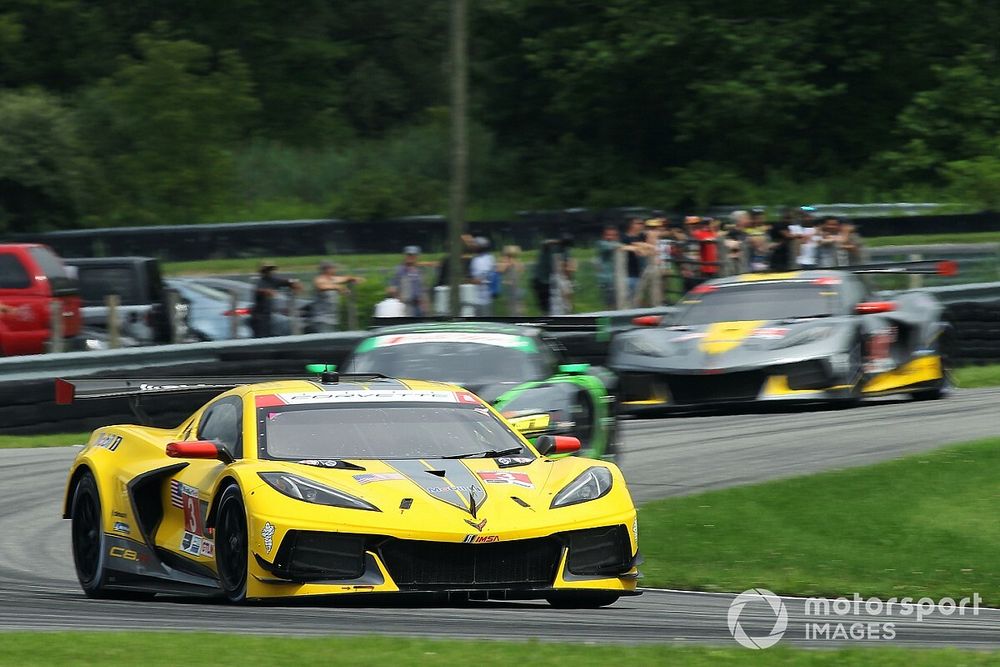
42	165
164	125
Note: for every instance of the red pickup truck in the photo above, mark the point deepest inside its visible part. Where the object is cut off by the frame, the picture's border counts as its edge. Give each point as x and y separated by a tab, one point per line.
31	278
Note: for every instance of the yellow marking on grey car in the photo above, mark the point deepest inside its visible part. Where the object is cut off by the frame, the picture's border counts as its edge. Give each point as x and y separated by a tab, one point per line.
724	336
922	369
752	277
777	385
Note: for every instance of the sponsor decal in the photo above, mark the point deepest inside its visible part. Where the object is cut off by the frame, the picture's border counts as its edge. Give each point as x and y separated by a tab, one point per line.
168	387
770	333
367	478
207	548
123	553
516	478
370	397
268	534
478	526
466	398
108	441
192	515
121	527
481	539
511	461
322	463
497	340
446	489
118	515
191	543
177	492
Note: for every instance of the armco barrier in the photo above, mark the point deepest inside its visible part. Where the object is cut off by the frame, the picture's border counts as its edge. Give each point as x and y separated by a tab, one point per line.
26	383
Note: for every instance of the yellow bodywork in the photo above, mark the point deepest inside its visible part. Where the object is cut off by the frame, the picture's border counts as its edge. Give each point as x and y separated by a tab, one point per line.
499	517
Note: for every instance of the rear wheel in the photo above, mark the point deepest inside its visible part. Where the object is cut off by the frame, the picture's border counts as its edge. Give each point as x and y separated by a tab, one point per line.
88	537
582	600
232	545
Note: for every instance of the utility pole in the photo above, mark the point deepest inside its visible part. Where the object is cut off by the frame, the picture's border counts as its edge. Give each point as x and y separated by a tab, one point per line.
459	148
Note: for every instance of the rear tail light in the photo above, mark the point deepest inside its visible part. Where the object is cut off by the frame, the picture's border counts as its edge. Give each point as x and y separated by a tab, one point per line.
239	312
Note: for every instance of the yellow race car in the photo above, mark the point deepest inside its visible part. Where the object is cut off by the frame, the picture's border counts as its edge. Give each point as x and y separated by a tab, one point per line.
342	485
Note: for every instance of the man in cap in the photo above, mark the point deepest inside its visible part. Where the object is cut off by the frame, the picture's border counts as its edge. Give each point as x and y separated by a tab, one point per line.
268	284
409	282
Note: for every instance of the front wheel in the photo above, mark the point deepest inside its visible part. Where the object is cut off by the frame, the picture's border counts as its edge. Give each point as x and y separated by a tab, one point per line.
582	599
88	537
232	545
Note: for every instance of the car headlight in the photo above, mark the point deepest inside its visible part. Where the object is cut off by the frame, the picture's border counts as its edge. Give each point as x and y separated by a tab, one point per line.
309	491
592	484
810	335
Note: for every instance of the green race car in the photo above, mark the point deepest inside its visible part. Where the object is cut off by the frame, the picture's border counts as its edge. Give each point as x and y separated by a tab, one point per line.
515	367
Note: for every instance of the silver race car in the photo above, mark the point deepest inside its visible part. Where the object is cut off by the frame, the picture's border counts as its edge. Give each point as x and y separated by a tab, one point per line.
802	335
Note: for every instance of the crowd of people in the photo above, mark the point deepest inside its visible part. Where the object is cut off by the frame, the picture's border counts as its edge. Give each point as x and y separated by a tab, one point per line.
632	264
698	248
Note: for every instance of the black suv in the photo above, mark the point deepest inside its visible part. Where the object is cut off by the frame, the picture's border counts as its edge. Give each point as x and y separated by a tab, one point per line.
143	313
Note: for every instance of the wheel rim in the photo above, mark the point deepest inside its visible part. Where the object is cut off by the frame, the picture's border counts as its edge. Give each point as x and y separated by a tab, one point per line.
86	537
232	548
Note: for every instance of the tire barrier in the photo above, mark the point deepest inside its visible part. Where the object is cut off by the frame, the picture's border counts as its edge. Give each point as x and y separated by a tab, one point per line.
976	331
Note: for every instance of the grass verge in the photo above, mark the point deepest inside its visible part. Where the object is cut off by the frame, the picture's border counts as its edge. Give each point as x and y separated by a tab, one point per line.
971	377
926	239
106	648
923	525
52	440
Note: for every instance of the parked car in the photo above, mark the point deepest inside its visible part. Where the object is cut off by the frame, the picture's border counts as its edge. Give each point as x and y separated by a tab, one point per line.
244	290
210	310
143	312
31	278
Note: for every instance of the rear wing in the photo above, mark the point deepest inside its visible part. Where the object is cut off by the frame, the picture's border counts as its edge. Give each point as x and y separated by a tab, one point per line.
934	267
70	391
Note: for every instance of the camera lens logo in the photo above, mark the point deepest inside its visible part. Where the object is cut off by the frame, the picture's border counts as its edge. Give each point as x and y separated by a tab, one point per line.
780	618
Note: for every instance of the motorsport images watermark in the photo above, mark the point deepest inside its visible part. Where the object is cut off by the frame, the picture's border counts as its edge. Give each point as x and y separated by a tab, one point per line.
820	614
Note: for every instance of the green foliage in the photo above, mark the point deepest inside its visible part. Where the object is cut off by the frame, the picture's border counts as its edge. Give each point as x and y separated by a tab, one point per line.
976	180
42	170
164	126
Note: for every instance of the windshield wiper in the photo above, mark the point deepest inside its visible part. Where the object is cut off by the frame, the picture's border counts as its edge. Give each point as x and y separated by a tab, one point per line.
488	454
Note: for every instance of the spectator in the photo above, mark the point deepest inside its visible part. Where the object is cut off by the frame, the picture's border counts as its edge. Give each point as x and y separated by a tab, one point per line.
390	306
805	232
758	222
635	244
266	289
511	268
409	282
704	231
757	240
736	240
781	240
828	243
482	271
327	289
553	256
851	245
607	246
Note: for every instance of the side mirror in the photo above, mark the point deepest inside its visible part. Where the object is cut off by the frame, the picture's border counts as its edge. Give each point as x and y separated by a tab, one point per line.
198	449
557	444
647	320
873	307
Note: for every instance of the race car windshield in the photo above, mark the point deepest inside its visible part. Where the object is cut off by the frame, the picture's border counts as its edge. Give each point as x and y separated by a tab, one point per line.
384	431
456	362
776	301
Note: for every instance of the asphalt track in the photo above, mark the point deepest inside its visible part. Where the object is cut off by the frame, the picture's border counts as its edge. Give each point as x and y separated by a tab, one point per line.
663	457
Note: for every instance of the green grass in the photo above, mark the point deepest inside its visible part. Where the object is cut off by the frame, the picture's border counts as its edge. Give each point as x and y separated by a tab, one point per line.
923	525
191	649
54	440
971	377
925	239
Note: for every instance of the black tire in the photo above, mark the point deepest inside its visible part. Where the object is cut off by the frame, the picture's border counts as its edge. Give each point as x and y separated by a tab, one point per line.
856	373
583	415
940	389
582	600
87	534
232	545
